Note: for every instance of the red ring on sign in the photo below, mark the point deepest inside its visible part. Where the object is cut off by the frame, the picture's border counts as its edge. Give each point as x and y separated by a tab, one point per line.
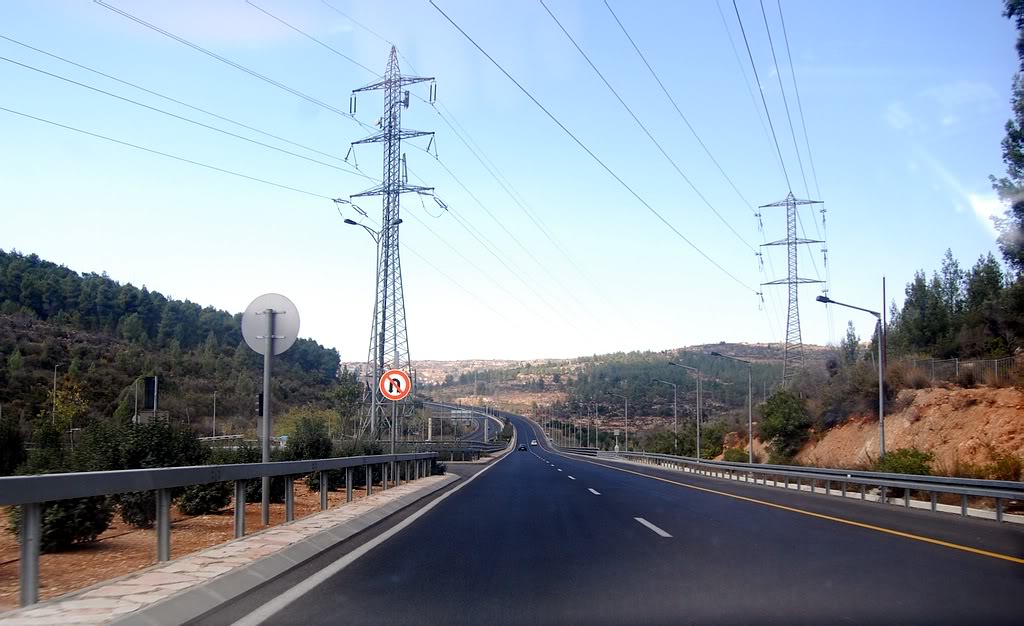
395	385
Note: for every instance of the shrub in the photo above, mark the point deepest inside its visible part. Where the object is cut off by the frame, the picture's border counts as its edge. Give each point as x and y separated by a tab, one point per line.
736	455
1004	466
205	499
906	461
784	424
150	445
967	379
254	488
12	447
437	468
64	522
918	379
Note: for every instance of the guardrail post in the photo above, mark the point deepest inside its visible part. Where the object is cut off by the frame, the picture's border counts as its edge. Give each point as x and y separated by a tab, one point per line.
844	489
28	575
999	509
289	498
934	498
239	508
163	524
385	477
323	490
906	498
369	479
348	484
828	487
863	491
882	494
963	504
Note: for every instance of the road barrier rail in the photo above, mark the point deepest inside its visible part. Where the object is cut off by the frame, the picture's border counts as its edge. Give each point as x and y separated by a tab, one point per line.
1002	492
30	493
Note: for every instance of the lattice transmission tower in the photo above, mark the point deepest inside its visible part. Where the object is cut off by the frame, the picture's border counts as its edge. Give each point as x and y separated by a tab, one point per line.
389	339
794	351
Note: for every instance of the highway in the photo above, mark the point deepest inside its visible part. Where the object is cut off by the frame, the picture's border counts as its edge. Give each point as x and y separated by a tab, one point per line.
542	538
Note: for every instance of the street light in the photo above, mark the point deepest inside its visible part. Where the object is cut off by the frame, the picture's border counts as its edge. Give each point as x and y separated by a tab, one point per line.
619	395
687	367
675	412
880	316
750	403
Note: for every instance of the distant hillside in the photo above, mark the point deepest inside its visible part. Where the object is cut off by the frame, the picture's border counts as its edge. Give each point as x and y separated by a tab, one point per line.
102	335
560	385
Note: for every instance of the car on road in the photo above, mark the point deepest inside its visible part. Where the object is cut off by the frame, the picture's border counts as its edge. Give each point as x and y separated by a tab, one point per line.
522	448
533	443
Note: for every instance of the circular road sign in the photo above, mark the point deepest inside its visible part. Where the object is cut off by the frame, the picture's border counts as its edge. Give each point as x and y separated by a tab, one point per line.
286	323
395	385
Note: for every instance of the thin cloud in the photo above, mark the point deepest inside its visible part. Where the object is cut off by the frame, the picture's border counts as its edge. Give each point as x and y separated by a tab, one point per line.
984	206
897	117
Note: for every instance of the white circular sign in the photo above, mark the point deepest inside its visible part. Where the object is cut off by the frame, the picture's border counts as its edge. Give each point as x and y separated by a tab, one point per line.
286	323
395	385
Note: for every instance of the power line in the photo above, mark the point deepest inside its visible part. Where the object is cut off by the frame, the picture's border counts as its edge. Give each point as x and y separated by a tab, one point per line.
533	218
214	55
760	90
347	170
165	154
785	102
644	128
697	136
823	234
591	153
174	100
308	36
678	110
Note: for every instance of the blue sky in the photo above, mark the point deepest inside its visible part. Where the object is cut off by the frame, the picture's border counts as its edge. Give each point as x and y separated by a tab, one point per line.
904	110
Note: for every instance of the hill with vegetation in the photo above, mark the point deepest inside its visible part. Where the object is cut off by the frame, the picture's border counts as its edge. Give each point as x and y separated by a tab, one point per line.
102	336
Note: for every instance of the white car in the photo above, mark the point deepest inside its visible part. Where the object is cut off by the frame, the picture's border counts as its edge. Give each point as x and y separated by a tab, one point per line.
533	443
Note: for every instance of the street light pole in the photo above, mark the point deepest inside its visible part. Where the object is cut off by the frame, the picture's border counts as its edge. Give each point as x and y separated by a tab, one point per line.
697	371
675	413
214	413
750	403
881	358
617	395
53	414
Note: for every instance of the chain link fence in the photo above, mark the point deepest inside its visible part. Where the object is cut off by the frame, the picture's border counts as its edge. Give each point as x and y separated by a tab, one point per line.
1004	370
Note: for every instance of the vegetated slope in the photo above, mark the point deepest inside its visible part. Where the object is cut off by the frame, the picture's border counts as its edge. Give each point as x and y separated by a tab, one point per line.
959	426
102	335
561	387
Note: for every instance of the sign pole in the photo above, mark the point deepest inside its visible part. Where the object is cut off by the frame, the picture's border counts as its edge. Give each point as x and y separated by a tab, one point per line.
267	358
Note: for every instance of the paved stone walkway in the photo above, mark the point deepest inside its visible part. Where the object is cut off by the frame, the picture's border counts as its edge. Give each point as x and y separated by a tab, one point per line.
113	599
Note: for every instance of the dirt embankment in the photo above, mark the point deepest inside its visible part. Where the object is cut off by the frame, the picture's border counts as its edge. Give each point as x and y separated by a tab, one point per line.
956	425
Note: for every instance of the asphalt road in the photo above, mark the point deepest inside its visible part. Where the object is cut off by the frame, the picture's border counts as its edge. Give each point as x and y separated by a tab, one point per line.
541	538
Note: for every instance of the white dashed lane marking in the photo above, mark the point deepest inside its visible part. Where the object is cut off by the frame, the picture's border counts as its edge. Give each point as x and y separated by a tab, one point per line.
596	493
652	527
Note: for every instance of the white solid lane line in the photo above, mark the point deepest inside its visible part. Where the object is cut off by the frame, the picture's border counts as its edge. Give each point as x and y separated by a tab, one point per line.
652	527
596	493
571	478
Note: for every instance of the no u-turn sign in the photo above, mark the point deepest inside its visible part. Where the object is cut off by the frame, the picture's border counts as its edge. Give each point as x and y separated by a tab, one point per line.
395	385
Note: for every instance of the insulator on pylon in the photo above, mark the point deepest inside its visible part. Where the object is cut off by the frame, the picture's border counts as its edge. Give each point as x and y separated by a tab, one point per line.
352	104
405	99
432	98
405	171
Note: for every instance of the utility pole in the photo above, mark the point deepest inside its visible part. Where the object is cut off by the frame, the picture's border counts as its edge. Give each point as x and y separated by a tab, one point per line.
794	352
214	413
389	340
53	413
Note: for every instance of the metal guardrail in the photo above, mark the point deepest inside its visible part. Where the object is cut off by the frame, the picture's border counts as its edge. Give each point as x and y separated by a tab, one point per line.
1000	491
32	492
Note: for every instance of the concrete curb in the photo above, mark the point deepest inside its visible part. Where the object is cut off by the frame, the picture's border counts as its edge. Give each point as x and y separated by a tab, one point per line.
197	601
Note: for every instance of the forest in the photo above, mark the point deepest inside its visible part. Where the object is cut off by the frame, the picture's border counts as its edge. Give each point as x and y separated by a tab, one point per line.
102	336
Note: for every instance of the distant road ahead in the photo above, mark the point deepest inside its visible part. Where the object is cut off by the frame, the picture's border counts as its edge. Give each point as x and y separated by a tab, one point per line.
540	538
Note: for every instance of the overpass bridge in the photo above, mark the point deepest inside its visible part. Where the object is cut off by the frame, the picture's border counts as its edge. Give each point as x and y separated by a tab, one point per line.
554	536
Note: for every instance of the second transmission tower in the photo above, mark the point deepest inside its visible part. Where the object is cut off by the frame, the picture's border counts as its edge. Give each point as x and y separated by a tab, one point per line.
794	350
389	339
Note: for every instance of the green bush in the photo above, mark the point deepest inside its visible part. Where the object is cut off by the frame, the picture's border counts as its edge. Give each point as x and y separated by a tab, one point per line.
736	455
784	424
254	488
64	522
906	461
311	441
205	499
1004	466
12	447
